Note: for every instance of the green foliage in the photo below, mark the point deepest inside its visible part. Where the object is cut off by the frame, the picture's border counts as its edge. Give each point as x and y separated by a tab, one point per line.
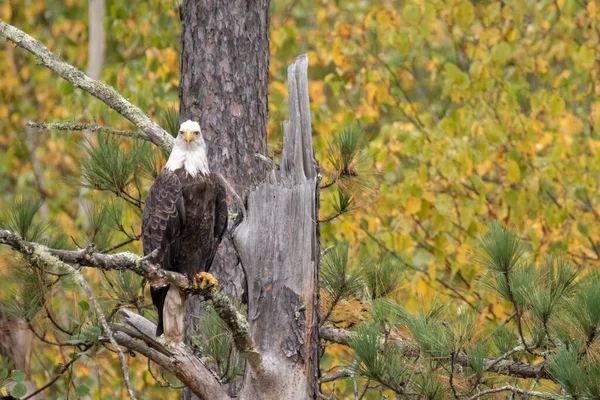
112	165
18	390
504	339
341	204
20	217
501	249
565	367
338	279
31	289
554	284
376	360
344	149
584	308
214	345
382	278
124	287
170	121
99	231
81	391
477	355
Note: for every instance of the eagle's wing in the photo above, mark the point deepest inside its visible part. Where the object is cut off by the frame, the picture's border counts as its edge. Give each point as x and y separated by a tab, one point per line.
163	219
162	223
221	215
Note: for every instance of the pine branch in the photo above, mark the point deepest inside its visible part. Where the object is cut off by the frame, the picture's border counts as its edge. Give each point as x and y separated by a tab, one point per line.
109	96
77	126
157	277
496	365
455	292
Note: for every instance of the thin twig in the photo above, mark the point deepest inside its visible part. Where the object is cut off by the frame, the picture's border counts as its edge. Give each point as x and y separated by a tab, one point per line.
119	245
512	389
53	380
77	126
107	330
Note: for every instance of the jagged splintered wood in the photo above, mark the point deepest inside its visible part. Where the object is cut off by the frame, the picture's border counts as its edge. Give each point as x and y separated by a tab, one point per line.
278	244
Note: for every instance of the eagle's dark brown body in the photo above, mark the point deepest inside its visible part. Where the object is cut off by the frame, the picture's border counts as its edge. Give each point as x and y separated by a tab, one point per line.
184	218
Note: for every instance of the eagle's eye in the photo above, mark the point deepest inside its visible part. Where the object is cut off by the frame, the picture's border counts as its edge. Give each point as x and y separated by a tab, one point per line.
197	133
181	132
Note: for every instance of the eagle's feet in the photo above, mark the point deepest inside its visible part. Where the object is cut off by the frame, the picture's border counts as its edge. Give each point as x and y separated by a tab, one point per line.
204	280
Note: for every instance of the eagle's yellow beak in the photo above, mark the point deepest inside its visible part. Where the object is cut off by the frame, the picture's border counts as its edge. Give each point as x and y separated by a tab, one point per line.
188	136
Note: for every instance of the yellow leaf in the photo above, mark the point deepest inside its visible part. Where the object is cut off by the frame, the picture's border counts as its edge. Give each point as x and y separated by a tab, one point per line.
316	92
592	9
371	89
344	30
336	53
413	205
512	171
280	87
321	14
6	11
368	19
384	19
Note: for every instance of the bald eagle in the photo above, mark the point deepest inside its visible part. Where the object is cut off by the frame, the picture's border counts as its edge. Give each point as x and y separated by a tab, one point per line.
184	219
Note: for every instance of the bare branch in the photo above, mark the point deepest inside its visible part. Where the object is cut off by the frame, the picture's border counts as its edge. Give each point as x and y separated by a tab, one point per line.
158	277
334	335
512	389
77	126
334	376
109	96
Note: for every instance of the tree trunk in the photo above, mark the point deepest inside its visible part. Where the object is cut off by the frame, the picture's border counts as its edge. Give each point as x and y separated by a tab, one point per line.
223	86
96	47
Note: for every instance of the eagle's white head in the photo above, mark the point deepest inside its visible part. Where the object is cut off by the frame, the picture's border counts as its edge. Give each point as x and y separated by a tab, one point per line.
189	150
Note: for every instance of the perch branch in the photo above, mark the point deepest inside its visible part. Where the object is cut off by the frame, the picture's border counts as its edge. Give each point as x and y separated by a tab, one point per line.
109	96
157	277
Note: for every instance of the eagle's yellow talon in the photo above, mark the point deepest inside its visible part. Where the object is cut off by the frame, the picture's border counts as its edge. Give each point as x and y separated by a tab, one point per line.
205	280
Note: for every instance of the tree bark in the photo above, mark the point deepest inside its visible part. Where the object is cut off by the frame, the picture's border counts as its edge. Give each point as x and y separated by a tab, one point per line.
223	86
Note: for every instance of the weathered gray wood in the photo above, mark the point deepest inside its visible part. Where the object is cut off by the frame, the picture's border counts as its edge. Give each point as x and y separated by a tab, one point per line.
137	334
278	246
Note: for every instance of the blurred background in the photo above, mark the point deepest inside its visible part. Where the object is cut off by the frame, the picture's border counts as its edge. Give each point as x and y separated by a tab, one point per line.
430	118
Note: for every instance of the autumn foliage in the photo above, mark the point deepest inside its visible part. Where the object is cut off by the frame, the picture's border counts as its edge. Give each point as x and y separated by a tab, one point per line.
431	119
